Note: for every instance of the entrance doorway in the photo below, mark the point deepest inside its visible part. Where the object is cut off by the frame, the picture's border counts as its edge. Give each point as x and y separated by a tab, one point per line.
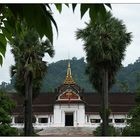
69	119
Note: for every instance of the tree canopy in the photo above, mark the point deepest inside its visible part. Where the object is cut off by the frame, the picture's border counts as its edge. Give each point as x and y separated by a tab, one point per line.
105	44
38	16
28	50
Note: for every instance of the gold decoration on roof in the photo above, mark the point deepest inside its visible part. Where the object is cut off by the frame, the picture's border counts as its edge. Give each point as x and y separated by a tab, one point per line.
69	79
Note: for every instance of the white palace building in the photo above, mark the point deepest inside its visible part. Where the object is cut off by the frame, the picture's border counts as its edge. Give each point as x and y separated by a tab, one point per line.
70	106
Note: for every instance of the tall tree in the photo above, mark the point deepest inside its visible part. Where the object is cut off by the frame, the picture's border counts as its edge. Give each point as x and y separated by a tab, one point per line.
29	68
105	44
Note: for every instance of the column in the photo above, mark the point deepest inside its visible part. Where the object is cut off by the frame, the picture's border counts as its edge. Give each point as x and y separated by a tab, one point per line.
75	119
63	118
113	121
52	118
101	120
36	120
13	120
86	119
125	120
49	120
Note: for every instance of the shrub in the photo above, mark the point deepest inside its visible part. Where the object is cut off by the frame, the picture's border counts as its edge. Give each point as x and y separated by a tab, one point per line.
7	130
111	131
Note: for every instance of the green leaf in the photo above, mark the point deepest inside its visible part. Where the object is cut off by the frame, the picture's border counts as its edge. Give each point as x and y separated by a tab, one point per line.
1	60
102	10
47	5
74	6
67	4
36	16
59	7
8	27
97	13
47	19
2	49
109	5
2	39
83	9
2	44
93	12
7	34
39	20
53	21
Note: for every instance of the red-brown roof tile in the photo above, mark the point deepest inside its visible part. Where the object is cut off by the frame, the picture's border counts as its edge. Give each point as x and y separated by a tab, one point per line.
43	103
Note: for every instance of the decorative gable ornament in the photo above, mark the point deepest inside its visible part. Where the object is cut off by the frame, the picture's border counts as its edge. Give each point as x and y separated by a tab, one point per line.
69	95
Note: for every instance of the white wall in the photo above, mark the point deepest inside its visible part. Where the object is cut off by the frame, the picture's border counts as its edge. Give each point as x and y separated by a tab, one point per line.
36	125
112	116
80	119
81	116
78	111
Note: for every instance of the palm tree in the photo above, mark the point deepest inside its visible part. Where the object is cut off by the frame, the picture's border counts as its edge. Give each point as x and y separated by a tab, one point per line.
29	68
105	44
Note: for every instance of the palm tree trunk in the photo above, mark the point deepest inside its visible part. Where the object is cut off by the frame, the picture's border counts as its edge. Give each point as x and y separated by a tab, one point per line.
105	103
28	106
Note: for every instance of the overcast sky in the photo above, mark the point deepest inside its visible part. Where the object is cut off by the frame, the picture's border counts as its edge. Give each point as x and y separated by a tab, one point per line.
66	44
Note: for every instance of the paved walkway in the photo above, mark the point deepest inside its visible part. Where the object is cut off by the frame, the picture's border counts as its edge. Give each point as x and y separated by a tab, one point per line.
67	132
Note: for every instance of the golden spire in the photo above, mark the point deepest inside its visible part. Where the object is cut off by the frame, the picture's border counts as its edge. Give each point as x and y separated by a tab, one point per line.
69	79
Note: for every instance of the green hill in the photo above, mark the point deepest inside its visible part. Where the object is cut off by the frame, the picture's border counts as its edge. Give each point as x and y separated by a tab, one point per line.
57	72
127	78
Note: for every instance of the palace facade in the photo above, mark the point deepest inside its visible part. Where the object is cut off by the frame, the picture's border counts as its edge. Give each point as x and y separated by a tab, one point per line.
70	106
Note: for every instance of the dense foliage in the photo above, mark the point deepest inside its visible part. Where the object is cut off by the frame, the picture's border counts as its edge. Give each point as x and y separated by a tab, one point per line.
133	128
134	124
111	131
57	73
105	44
130	76
6	106
28	50
40	17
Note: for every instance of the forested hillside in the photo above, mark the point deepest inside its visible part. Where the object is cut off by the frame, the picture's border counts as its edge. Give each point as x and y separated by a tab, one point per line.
127	79
57	73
